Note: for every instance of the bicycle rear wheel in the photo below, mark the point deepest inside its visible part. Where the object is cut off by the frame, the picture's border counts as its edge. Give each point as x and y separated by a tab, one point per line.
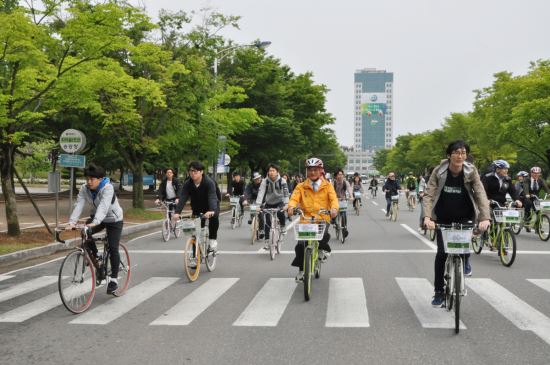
166	230
307	272
192	259
456	294
507	248
124	270
544	228
76	282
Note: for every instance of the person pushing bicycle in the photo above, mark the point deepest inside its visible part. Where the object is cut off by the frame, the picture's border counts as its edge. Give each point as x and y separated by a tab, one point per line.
312	195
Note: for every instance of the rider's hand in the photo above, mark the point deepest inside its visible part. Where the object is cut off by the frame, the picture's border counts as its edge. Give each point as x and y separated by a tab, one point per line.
177	201
157	202
333	213
91	225
290	211
518	203
483	225
70	227
209	214
245	202
429	223
175	216
227	194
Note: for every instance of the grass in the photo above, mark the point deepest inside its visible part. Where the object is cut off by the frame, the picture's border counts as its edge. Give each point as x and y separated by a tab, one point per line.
142	215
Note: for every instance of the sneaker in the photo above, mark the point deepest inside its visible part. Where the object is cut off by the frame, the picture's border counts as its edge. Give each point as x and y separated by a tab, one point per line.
250	221
300	277
261	235
387	214
100	275
266	247
112	287
421	230
467	268
323	255
283	230
213	245
438	299
527	229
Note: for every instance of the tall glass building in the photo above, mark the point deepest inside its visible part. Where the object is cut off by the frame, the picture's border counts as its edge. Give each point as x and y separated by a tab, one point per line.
373	109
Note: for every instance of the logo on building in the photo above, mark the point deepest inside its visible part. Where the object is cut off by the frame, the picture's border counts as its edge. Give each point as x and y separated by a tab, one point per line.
373	98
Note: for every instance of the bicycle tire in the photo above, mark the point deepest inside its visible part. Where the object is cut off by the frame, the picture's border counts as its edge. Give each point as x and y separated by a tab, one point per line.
240	218
209	255
166	230
233	218
272	243
543	229
477	244
307	272
449	282
254	230
507	248
457	297
432	234
124	270
516	228
188	259
393	214
76	281
177	229
337	229
356	205
317	269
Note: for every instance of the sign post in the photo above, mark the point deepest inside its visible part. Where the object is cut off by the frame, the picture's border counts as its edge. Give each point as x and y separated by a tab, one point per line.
72	141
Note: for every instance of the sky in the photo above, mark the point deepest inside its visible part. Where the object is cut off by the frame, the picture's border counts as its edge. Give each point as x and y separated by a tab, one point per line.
440	51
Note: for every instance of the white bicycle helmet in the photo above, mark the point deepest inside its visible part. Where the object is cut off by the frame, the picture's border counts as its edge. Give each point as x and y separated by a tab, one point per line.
501	164
536	170
314	162
523	173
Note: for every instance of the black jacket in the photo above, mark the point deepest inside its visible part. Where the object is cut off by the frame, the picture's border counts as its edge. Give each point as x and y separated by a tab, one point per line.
251	191
236	188
161	194
495	191
391	187
527	186
203	198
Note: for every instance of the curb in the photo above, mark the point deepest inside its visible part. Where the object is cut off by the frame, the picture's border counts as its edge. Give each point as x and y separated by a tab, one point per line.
51	248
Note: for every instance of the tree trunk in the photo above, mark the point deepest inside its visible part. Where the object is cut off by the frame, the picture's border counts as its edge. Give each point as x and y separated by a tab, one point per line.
137	186
6	176
120	188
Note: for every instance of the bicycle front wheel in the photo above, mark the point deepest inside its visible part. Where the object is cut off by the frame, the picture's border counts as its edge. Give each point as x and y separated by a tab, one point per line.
254	230
166	230
177	228
272	243
544	228
456	294
210	259
394	212
507	249
76	281
449	283
308	257
477	243
341	229
234	218
124	270
192	259
432	234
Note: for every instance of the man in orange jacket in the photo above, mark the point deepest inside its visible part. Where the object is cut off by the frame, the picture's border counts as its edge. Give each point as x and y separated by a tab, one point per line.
312	195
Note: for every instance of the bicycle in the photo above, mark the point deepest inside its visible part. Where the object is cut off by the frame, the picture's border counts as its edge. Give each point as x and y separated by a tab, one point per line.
456	241
394	207
255	225
81	271
169	225
540	219
500	237
373	190
411	200
236	213
197	247
275	239
311	232
339	221
357	202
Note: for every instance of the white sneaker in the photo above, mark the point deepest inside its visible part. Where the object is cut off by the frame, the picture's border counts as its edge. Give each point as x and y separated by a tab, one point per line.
214	245
323	255
300	277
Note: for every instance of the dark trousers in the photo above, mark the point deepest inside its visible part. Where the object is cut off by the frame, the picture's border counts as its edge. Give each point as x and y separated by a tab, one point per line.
213	225
114	231
529	209
388	205
267	219
439	265
301	245
344	219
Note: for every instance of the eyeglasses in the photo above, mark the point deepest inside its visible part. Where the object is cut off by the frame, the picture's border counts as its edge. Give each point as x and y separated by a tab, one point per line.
459	153
391	176
193	171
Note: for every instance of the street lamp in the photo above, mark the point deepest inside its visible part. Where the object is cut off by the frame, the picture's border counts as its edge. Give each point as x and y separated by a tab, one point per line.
220	55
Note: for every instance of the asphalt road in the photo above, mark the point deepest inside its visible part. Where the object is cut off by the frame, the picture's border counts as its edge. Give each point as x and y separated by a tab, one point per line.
371	305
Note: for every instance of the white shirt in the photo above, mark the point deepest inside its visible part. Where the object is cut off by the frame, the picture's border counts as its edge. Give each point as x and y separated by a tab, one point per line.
170	193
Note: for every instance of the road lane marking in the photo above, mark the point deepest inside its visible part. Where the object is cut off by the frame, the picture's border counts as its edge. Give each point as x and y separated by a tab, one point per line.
418	292
268	306
27	287
347	303
195	303
375	203
429	243
521	314
286	252
117	307
6	277
541	283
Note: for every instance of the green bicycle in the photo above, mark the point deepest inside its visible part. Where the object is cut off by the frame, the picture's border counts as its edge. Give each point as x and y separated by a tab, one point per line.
540	220
312	231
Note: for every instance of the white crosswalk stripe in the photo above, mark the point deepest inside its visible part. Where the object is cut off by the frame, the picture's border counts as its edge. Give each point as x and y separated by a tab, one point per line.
521	314
117	307
195	303
347	303
27	287
6	277
32	309
541	283
418	292
269	304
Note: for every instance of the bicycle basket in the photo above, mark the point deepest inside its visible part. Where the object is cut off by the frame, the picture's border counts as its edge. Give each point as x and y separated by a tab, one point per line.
188	226
253	208
309	231
357	194
508	215
456	241
234	200
395	198
343	205
545	205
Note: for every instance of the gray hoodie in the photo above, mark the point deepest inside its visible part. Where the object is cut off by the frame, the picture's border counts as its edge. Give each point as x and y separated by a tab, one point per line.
102	209
275	192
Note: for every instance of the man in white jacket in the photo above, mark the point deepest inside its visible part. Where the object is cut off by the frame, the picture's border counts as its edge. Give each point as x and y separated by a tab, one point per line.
105	213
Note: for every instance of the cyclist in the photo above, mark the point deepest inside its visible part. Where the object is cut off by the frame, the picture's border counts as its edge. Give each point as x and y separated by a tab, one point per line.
357	186
532	185
373	185
519	184
454	194
391	187
106	213
497	184
205	199
273	193
236	187
168	189
410	183
343	192
313	194
251	193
